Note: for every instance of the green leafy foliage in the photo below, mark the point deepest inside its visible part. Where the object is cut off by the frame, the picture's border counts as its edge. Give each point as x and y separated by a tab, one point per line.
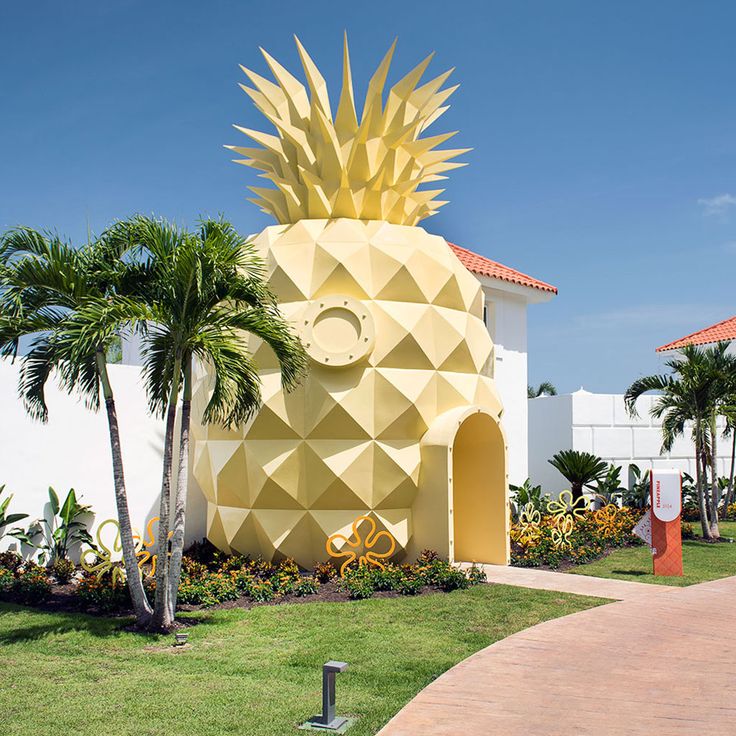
527	493
579	468
7	519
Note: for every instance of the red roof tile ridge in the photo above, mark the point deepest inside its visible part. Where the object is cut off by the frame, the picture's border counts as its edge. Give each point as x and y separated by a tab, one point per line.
483	266
724	330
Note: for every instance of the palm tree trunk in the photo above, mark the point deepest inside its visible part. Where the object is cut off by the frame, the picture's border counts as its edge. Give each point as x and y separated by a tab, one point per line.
729	492
141	606
715	490
703	506
182	481
162	619
577	491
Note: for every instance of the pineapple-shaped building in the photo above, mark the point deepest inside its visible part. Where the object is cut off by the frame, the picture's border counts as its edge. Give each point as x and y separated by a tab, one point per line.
398	418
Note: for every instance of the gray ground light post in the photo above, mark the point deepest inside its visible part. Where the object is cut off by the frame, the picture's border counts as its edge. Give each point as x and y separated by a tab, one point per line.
328	721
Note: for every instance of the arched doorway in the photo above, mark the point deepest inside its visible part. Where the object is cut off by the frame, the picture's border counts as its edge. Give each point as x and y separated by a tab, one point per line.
479	508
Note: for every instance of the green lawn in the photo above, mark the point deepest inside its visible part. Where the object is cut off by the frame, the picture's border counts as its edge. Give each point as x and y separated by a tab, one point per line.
248	672
700	561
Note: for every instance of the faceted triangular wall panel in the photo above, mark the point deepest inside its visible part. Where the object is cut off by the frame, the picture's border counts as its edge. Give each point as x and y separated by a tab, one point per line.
392	322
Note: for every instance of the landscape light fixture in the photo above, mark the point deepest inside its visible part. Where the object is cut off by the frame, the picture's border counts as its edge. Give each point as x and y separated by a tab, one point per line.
328	721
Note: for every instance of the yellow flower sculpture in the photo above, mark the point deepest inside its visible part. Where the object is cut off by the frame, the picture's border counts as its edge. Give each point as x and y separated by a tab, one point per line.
561	532
529	525
103	554
564	506
369	557
607	519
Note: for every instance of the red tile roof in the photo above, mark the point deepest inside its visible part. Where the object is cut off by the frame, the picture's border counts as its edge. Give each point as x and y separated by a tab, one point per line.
725	330
486	267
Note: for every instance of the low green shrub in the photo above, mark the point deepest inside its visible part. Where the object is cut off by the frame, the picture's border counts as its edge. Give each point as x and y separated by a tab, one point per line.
7	580
306	586
10	560
408	585
358	583
476	575
453	579
324	572
31	584
102	593
62	569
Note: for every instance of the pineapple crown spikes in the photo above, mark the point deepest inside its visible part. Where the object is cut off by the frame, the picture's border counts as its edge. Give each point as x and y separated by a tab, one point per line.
327	166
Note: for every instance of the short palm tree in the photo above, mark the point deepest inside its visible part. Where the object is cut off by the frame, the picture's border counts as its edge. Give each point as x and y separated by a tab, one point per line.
579	468
692	397
65	300
206	292
544	389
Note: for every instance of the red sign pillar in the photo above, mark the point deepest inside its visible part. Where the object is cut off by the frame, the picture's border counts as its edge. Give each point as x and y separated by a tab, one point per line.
666	489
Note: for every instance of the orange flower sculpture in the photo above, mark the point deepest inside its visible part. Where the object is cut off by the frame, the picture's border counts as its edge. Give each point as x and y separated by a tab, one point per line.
369	556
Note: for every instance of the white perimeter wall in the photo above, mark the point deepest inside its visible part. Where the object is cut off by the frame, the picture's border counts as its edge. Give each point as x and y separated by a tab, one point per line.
599	423
506	321
73	451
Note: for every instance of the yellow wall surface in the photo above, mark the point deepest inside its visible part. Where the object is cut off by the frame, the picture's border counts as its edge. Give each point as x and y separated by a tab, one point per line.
392	323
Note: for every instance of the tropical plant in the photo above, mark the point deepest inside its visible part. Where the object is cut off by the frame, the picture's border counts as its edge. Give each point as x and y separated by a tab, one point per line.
204	291
692	396
544	389
71	303
579	468
526	493
7	519
54	534
608	487
637	494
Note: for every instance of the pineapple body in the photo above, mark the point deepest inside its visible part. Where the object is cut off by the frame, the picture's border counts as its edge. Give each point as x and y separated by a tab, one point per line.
393	325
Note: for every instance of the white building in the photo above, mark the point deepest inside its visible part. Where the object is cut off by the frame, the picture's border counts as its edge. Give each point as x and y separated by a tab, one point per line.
508	294
600	424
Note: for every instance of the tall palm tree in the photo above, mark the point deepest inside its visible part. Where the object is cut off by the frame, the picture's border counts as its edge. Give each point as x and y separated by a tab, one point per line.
544	389
579	468
65	300
692	396
206	292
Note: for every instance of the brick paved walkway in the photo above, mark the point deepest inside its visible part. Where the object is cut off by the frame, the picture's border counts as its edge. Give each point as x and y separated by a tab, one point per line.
658	662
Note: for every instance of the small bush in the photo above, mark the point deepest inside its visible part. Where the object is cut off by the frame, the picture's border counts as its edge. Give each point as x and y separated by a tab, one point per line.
10	560
102	594
32	584
687	530
62	569
453	579
324	572
262	591
306	586
7	580
476	576
408	585
357	583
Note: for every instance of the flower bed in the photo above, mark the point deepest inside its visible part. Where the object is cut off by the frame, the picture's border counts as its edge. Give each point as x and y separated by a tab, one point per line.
586	536
210	578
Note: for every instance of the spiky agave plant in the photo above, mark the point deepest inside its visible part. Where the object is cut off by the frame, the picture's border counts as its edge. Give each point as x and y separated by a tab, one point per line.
389	317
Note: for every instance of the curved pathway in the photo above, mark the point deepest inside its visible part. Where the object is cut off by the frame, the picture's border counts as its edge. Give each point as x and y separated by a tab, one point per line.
657	662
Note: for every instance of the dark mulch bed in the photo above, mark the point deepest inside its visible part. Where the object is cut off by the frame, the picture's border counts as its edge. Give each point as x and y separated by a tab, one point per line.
64	600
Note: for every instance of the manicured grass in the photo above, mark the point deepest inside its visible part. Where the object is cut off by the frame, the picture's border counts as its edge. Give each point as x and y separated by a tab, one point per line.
248	672
700	561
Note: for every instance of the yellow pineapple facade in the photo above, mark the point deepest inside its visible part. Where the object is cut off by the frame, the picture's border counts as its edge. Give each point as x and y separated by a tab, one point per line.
398	418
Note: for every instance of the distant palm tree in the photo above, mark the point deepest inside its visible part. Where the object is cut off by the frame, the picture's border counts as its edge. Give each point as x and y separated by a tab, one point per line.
544	389
206	292
579	468
54	294
694	395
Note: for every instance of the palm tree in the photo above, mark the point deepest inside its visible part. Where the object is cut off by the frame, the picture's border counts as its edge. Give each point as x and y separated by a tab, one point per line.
692	396
206	292
65	300
544	389
579	468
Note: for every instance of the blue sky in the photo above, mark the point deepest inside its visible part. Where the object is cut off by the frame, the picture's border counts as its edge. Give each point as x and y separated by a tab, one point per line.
604	139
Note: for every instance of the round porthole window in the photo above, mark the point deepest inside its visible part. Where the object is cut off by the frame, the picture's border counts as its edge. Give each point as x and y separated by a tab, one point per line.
338	331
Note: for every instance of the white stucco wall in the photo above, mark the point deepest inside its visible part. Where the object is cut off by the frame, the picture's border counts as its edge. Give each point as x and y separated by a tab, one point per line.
506	316
599	423
73	451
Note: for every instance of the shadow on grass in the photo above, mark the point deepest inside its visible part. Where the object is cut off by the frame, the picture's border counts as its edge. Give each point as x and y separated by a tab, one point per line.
636	573
52	623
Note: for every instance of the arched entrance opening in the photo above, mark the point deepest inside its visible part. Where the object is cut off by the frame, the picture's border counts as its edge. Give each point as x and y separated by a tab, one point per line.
479	508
